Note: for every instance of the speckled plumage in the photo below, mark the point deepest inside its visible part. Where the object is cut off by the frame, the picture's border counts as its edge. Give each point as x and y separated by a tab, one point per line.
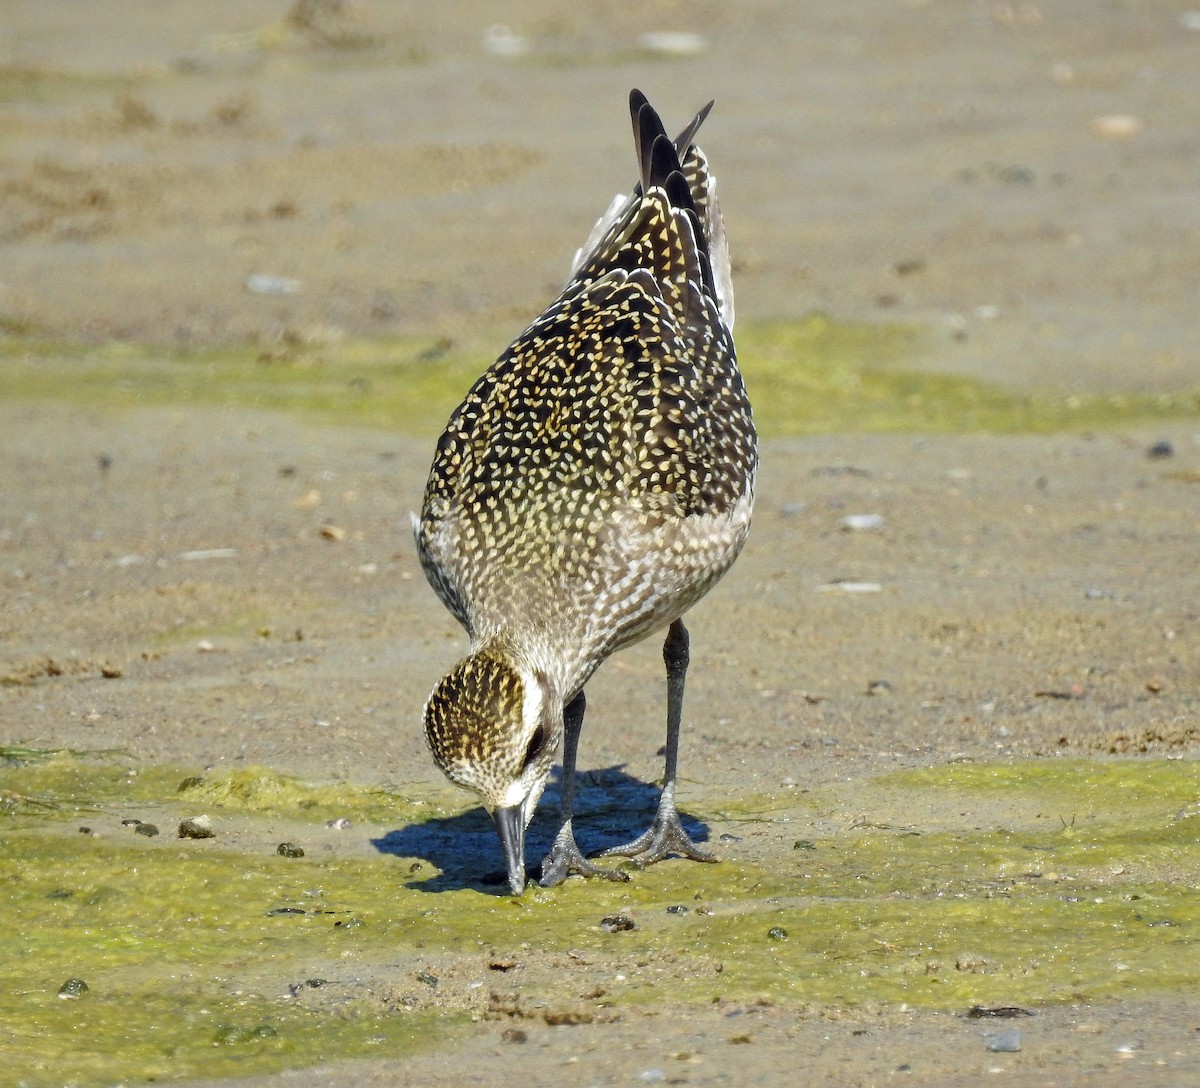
598	478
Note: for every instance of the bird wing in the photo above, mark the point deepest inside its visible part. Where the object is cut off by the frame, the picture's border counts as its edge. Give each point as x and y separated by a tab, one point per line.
623	397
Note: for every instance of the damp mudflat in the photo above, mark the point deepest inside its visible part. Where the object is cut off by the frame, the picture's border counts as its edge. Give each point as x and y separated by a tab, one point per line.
1070	881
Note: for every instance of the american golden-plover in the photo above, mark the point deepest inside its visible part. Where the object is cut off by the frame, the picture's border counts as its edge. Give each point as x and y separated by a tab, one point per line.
595	483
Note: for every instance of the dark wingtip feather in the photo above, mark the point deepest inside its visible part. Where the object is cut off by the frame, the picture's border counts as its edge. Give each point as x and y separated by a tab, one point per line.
684	140
653	160
663	162
678	193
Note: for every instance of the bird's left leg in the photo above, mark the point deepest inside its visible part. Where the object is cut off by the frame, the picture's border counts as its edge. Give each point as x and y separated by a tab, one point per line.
565	857
666	835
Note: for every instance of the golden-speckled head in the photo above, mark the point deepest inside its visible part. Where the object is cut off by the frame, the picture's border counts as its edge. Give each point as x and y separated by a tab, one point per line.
495	729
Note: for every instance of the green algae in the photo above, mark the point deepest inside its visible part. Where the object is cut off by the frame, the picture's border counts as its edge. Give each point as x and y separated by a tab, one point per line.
262	791
240	627
1068	881
35	83
814	375
388	384
819	375
73	782
1114	786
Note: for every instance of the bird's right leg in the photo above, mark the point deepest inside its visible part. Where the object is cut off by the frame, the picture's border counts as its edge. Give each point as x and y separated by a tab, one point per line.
666	836
565	856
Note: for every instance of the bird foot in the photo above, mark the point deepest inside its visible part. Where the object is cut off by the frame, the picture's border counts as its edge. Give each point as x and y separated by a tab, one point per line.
666	838
566	858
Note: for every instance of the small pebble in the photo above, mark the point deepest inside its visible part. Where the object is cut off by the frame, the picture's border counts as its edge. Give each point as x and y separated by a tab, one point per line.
617	923
149	830
289	850
804	844
878	687
1160	450
1004	1012
72	989
777	933
340	824
677	908
430	980
238	1035
198	827
651	1076
1004	1042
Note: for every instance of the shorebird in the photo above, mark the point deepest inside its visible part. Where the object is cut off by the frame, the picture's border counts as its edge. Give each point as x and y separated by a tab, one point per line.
595	483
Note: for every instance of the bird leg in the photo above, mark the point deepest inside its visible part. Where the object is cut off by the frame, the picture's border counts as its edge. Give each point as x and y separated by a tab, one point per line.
666	835
565	857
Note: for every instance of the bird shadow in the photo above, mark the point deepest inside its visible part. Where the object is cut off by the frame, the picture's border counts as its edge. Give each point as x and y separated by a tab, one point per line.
611	808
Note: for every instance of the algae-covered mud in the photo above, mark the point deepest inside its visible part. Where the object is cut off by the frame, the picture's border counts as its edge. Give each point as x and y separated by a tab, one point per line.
821	376
220	956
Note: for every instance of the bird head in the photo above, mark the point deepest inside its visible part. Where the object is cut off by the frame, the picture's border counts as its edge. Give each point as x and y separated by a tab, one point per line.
494	728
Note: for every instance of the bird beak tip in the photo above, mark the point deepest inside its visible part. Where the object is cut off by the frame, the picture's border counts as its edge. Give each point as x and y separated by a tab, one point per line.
510	824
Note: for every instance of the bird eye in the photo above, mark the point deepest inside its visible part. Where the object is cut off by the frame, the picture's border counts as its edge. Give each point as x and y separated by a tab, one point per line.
535	746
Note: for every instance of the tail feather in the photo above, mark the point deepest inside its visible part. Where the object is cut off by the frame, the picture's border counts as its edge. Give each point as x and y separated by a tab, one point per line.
680	171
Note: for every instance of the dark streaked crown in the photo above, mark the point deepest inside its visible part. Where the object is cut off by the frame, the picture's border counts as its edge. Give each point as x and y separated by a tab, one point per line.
472	720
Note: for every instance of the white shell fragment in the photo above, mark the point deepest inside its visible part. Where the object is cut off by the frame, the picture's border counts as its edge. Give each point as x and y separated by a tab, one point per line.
208	553
850	587
1117	126
672	43
262	284
500	41
862	523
